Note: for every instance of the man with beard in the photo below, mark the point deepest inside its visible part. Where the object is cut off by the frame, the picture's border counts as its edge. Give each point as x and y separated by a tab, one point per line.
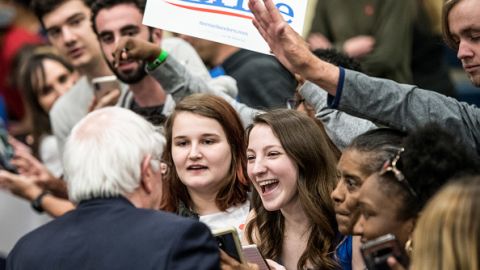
68	28
128	46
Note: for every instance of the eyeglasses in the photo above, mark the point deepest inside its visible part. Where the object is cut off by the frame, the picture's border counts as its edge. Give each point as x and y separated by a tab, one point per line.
391	166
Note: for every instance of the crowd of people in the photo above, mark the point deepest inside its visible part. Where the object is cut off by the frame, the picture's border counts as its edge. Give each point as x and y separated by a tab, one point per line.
301	153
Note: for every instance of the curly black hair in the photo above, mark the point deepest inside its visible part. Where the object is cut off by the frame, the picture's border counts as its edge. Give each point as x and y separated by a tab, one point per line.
432	157
378	145
338	58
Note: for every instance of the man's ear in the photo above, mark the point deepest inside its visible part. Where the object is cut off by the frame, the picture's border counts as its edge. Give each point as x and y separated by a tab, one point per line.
147	175
157	35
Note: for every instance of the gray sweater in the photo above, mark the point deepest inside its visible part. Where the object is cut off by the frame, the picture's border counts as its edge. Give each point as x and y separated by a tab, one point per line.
341	127
407	107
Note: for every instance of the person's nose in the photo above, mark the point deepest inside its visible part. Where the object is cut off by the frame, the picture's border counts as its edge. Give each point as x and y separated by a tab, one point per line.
195	151
69	37
338	194
259	167
464	50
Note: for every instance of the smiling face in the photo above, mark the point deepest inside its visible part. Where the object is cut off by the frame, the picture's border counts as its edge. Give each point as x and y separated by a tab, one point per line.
345	195
272	172
120	21
464	27
69	30
379	213
200	152
58	80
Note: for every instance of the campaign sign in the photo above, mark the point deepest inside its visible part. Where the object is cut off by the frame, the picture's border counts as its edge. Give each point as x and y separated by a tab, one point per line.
224	21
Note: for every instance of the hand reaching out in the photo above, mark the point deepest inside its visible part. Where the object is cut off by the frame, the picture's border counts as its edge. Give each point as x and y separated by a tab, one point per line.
131	48
18	146
29	166
287	45
19	185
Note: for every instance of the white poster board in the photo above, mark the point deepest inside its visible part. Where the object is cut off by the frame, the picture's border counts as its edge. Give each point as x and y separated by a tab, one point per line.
224	21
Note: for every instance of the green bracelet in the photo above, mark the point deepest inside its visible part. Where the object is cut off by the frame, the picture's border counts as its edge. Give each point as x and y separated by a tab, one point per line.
158	61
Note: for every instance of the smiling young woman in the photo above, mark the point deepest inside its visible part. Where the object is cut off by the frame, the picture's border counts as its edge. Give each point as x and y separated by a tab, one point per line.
293	172
206	148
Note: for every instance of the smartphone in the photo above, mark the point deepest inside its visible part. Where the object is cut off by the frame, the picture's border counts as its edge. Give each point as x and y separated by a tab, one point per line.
103	85
228	241
376	252
253	255
6	152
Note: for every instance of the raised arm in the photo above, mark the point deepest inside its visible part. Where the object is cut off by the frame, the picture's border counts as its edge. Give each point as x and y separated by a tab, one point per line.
289	47
407	107
341	127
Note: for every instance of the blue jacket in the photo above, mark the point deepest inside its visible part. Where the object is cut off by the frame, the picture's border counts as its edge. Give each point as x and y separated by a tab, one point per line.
114	234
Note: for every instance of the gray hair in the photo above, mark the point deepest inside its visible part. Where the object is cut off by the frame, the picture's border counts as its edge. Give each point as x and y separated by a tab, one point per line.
104	153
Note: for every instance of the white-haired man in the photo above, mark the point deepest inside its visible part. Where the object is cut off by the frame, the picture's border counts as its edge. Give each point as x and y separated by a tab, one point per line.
115	176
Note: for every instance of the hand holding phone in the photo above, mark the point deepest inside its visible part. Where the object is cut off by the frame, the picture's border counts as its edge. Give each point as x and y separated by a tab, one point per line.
104	85
253	255
376	252
228	241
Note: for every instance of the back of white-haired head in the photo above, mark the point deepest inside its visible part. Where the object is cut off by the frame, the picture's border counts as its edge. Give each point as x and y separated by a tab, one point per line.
104	153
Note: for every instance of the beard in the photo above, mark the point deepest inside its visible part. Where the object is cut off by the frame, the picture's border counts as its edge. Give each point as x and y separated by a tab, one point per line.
132	77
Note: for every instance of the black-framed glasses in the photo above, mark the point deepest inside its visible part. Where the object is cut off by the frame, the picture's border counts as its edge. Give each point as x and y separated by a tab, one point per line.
391	166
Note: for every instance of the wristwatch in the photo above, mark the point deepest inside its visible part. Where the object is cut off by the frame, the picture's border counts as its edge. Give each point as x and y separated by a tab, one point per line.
37	202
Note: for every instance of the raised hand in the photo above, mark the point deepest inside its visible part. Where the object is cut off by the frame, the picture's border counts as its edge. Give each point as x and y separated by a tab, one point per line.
288	46
131	48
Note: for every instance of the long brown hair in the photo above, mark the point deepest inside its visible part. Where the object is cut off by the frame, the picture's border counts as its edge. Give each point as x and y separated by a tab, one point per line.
234	191
31	77
307	146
